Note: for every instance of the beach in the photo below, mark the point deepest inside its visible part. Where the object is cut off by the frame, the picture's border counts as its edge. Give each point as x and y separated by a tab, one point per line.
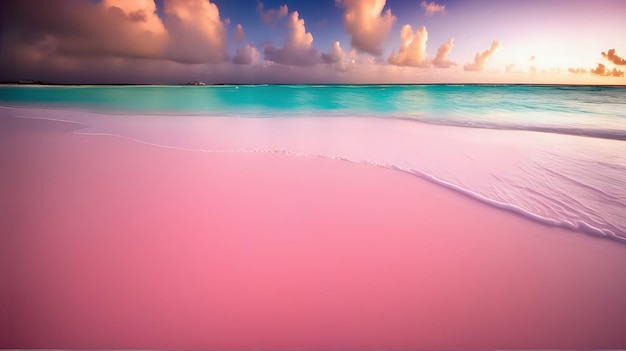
111	243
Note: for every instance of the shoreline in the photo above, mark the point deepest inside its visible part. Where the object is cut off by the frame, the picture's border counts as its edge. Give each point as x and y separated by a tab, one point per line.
118	244
85	118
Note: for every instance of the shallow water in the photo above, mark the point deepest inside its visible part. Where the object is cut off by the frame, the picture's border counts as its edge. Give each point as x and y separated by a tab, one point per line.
555	154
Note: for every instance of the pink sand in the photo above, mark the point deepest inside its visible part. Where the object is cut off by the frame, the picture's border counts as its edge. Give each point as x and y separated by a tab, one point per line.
108	243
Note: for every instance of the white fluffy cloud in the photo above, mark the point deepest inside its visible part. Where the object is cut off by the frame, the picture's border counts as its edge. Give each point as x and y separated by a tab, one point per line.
366	23
297	49
481	58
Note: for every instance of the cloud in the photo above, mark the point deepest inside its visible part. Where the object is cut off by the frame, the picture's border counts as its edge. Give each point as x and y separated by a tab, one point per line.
532	58
239	35
601	70
336	57
321	23
509	68
247	55
198	33
480	58
142	12
297	49
441	60
271	15
432	8
366	23
577	70
413	49
39	29
335	54
611	56
191	32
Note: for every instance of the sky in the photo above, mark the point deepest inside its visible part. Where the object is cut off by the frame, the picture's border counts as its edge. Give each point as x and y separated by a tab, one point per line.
313	41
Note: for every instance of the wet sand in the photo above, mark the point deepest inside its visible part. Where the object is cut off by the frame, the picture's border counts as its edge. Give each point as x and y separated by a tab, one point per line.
109	243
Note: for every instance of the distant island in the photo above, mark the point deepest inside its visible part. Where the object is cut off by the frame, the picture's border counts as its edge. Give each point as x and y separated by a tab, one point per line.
28	81
38	82
196	82
200	83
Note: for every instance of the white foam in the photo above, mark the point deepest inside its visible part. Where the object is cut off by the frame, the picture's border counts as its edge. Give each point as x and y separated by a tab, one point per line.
562	180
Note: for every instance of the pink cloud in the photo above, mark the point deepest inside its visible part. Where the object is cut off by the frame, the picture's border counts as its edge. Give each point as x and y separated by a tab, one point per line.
366	23
336	56
577	70
271	15
611	56
81	28
247	55
297	49
192	32
142	12
509	68
198	33
481	58
441	60
239	35
432	8
601	70
321	23
413	49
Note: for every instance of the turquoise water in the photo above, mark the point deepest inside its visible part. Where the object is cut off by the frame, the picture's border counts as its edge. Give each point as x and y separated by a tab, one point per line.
587	110
555	154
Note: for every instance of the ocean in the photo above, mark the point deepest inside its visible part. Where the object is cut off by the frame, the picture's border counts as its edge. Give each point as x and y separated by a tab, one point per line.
554	154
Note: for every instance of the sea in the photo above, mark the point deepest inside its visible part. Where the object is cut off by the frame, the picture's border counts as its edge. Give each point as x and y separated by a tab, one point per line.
552	153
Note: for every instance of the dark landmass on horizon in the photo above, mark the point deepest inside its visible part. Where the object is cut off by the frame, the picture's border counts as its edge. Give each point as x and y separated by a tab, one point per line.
37	82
